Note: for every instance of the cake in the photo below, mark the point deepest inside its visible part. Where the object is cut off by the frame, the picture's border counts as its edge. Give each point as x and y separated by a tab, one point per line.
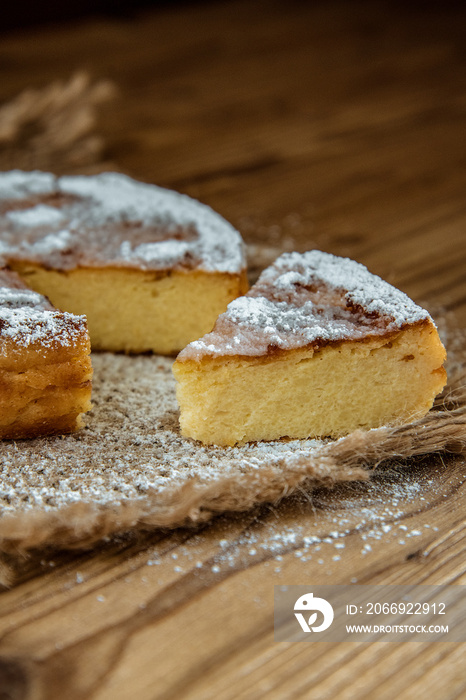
150	269
318	347
45	367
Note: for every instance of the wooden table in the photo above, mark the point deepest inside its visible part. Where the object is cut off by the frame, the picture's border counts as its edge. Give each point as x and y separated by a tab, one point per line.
339	126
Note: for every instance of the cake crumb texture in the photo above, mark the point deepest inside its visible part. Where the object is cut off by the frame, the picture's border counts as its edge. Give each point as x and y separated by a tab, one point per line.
130	467
45	366
319	347
151	269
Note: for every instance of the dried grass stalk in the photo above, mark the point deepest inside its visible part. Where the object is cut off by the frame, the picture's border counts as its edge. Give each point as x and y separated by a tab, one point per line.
53	128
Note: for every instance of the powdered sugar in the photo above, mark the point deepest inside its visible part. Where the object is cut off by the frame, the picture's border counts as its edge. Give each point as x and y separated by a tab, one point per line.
27	318
26	326
17	298
16	184
41	215
366	519
130	450
130	466
360	287
59	241
110	219
308	298
168	251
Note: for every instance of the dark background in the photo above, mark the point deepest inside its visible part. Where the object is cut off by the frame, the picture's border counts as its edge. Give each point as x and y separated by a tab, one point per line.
26	13
33	12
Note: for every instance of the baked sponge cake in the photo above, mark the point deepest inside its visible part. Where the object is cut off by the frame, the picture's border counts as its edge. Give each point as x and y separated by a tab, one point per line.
45	367
151	269
318	347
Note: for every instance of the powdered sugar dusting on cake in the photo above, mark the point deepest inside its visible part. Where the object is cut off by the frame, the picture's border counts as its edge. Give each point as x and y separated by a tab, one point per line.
110	219
307	299
59	241
27	318
16	184
41	215
26	326
360	286
168	251
22	298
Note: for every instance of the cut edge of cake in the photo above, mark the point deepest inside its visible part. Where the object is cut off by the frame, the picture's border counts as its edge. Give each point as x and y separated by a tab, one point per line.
137	311
319	347
149	267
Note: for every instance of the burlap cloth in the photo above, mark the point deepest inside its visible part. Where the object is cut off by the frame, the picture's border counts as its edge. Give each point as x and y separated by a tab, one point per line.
130	468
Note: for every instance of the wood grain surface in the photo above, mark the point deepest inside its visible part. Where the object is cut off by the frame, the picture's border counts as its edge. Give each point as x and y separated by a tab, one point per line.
339	126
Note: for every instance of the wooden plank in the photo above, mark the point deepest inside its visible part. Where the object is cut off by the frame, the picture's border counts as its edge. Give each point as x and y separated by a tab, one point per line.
334	126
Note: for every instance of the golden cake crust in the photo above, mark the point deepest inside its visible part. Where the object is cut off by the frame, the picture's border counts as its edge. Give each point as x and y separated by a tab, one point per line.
308	300
45	367
317	348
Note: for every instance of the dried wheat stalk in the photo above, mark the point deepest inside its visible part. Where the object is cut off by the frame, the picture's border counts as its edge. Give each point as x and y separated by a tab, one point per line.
53	128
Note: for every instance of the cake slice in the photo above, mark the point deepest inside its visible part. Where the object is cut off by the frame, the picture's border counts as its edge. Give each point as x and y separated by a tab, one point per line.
45	367
151	269
318	347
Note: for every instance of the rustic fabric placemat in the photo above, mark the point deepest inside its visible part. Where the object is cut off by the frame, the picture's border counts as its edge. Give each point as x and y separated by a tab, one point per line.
130	468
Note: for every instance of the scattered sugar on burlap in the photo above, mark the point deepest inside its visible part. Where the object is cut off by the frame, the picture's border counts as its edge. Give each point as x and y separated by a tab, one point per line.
130	468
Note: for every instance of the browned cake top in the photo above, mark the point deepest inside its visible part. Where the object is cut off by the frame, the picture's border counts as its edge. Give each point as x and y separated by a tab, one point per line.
308	299
111	220
28	318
